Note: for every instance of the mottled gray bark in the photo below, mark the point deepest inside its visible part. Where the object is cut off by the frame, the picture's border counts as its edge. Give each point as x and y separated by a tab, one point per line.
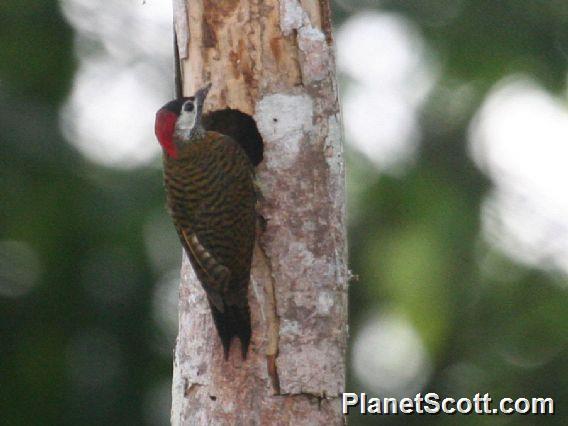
272	59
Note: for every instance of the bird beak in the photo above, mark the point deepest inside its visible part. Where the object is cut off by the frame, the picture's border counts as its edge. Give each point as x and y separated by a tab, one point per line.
201	94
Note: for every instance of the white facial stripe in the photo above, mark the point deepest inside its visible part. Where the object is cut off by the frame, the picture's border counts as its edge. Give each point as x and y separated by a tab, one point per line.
186	120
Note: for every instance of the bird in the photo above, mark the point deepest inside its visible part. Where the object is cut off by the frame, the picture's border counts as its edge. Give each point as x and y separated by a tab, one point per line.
211	197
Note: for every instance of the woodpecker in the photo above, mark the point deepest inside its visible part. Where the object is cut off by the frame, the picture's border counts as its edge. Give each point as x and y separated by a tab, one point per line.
210	194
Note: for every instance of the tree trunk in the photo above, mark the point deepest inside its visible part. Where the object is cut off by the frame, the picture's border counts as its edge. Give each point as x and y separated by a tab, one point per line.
273	60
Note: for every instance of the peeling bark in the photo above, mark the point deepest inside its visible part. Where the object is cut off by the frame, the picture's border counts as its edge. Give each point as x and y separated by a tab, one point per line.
272	59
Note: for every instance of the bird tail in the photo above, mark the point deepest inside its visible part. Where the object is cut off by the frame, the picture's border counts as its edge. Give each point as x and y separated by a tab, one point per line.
234	321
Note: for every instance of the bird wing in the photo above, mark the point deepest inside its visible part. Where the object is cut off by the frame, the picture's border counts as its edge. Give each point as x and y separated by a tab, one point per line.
218	225
226	216
218	275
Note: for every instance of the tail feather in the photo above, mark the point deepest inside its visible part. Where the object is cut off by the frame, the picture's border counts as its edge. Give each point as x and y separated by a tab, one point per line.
233	322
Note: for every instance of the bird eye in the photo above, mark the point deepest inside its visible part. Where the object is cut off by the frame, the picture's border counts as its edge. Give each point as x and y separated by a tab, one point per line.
188	106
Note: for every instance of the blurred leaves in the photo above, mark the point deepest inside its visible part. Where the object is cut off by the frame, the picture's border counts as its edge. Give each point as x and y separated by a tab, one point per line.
488	324
35	50
87	311
484	40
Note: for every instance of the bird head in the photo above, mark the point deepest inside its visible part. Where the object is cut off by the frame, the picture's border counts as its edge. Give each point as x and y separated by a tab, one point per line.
179	121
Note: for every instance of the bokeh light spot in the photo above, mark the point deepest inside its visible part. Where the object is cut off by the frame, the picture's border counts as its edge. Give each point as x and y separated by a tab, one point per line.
161	241
124	53
157	404
165	308
19	268
519	139
109	275
94	359
389	358
386	58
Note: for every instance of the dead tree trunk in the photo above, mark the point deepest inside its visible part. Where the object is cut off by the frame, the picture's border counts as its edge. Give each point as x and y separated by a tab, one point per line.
273	60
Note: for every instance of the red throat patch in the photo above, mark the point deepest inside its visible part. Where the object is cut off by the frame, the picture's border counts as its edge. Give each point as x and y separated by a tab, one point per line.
164	129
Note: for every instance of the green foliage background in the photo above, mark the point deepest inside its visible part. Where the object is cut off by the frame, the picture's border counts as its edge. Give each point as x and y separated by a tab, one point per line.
414	242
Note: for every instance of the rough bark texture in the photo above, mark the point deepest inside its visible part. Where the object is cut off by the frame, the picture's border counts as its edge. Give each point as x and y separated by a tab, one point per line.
272	59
